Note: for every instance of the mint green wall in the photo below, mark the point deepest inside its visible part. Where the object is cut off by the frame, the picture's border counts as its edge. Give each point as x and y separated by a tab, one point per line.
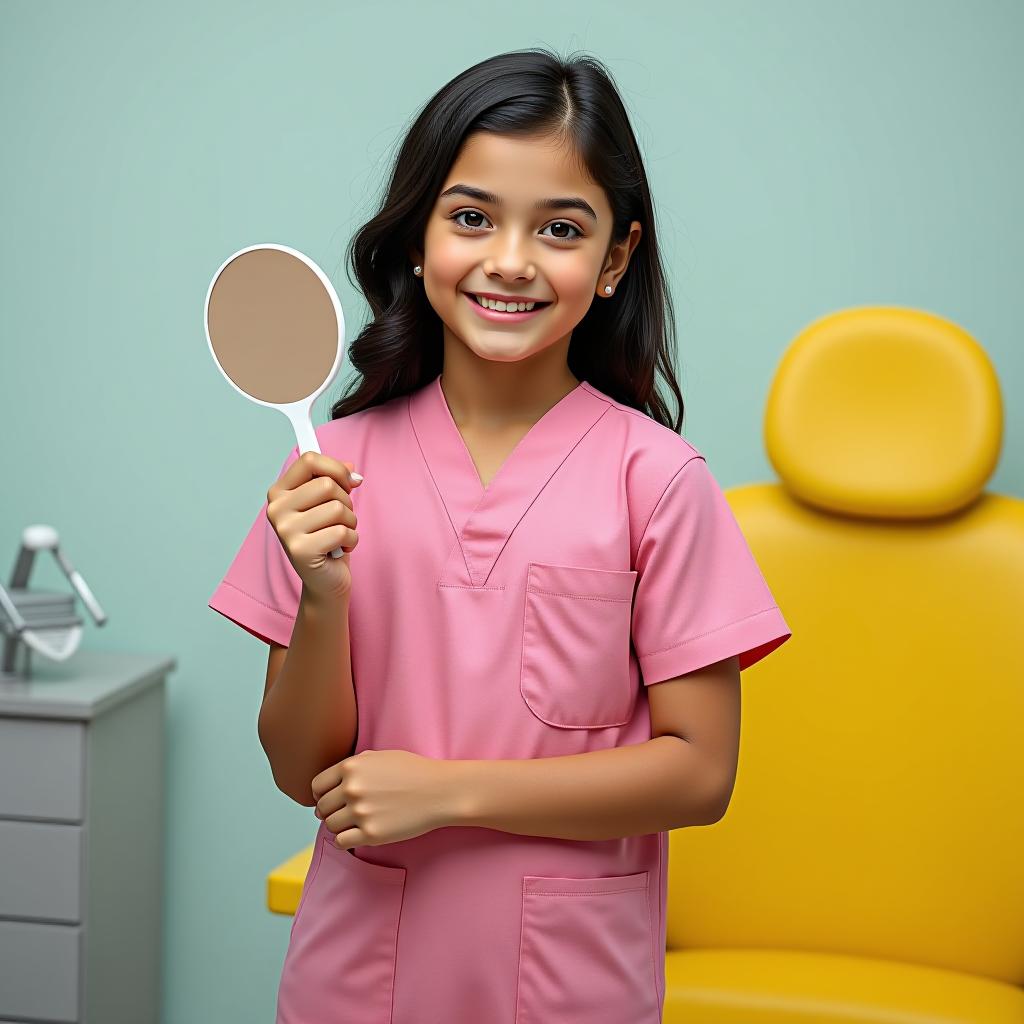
804	157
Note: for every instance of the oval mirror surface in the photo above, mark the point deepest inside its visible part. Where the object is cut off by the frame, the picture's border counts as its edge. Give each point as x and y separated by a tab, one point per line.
272	326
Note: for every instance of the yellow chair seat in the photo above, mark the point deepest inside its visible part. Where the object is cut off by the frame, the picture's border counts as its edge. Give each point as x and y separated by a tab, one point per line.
740	986
284	883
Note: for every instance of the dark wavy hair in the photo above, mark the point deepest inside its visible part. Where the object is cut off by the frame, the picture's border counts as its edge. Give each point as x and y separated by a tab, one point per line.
621	343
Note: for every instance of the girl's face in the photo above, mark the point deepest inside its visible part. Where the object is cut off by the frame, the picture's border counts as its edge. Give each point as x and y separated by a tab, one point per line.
505	244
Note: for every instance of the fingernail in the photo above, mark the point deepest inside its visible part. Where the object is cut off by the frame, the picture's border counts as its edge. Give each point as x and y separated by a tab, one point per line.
358	477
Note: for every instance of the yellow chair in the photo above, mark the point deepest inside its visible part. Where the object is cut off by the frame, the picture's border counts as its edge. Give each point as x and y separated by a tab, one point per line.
869	867
284	883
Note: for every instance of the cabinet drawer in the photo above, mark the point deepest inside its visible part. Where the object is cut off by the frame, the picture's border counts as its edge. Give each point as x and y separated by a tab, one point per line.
41	769
42	869
39	967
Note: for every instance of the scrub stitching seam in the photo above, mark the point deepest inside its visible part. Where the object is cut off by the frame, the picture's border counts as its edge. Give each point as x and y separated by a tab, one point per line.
581	597
662	915
650	930
662	495
697	636
394	958
600	892
636	413
522	947
307	883
466	586
252	597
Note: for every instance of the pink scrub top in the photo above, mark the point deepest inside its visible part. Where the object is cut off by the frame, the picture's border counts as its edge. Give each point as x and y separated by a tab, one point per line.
520	620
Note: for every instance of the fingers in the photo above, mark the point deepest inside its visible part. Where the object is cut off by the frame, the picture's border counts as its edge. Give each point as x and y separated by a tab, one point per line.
315	478
324	516
328	804
312	464
321	490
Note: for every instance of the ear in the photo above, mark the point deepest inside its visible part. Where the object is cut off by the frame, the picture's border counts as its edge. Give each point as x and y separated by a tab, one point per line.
619	254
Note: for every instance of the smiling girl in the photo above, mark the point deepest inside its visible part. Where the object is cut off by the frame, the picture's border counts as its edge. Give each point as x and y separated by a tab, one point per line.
549	601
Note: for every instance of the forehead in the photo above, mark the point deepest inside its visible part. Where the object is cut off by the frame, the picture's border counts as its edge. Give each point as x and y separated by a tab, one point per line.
522	170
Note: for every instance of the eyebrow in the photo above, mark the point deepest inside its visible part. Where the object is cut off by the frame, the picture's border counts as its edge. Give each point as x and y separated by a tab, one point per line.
558	203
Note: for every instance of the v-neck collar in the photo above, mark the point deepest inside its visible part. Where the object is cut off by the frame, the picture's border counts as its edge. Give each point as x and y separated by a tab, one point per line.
483	518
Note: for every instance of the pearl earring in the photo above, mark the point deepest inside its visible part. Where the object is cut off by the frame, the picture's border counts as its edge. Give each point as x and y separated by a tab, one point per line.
607	289
417	270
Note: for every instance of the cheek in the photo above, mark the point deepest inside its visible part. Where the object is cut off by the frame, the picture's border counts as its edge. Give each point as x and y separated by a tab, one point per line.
447	260
573	283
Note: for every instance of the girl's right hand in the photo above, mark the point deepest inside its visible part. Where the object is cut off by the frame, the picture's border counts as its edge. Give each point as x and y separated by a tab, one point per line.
310	510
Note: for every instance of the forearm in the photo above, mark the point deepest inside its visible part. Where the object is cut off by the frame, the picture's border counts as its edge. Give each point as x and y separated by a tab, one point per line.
308	719
661	784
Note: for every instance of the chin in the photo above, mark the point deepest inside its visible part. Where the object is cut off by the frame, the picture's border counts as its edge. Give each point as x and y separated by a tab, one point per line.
502	353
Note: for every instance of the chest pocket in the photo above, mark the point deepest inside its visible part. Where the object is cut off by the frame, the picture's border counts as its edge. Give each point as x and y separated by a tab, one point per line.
576	636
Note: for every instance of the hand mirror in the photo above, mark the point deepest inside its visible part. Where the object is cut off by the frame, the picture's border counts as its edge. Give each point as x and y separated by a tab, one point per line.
276	332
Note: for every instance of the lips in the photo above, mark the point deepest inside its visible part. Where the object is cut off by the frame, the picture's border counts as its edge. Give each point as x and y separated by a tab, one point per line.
500	317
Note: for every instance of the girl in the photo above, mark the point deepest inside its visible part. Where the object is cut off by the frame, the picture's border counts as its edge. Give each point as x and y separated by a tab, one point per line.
544	624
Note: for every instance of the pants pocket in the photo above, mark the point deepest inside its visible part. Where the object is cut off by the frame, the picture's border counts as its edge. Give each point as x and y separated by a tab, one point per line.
340	963
576	636
587	952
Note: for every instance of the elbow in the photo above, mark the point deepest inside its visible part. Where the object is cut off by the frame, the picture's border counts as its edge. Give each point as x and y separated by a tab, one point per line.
291	767
718	801
263	733
284	780
306	800
716	810
707	808
303	797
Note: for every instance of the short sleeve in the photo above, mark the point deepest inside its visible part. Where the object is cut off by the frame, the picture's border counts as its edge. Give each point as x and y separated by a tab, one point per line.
261	590
700	595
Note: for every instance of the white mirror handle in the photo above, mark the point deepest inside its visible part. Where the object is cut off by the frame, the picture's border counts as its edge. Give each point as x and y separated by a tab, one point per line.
301	420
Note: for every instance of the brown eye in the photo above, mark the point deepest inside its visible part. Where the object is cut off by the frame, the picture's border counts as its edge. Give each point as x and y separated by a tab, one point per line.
466	213
571	227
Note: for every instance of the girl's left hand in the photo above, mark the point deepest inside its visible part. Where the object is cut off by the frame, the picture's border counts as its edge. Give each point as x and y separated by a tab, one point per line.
383	796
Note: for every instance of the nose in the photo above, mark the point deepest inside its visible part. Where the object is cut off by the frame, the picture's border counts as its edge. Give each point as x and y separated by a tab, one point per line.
508	260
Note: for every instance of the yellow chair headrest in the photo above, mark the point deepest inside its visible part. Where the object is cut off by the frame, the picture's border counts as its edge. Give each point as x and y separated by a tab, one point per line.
884	412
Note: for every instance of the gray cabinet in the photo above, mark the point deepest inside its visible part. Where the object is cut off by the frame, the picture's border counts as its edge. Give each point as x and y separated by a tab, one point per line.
81	839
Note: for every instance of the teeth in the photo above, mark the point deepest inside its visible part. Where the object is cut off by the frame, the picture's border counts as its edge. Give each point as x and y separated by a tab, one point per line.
504	307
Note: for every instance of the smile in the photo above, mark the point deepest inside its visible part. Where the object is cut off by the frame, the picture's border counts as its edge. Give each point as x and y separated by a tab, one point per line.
503	316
